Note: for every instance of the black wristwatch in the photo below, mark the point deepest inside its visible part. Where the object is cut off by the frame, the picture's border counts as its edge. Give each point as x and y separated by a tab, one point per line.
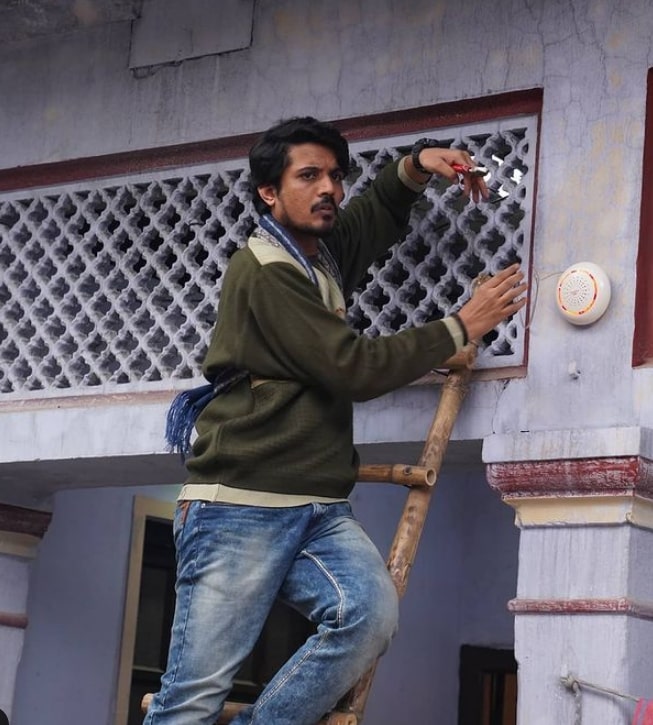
419	146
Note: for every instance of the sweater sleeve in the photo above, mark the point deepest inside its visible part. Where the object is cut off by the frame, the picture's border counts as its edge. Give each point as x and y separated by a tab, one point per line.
304	341
371	223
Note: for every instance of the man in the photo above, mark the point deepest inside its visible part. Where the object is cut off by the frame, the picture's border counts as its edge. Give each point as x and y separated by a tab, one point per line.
264	513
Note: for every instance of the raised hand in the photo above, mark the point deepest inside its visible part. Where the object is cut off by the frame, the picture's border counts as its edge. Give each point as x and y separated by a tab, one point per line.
494	301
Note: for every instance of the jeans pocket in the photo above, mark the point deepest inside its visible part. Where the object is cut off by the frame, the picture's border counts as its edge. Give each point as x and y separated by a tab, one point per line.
181	514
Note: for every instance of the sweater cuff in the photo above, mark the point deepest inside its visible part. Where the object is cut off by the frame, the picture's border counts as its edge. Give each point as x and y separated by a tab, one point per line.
406	179
457	330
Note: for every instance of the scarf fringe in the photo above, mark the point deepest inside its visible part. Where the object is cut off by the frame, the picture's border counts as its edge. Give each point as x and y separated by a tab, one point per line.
187	406
182	414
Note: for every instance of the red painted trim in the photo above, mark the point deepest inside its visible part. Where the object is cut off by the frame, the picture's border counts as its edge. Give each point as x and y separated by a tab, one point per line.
441	115
19	520
643	336
527	321
617	605
599	476
120	164
13	621
412	120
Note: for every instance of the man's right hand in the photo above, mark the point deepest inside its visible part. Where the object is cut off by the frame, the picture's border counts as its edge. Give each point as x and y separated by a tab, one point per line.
494	301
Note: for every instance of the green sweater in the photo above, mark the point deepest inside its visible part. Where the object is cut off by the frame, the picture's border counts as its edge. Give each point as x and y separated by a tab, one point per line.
289	427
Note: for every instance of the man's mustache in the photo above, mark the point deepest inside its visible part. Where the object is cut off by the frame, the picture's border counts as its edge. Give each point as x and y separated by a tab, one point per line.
326	202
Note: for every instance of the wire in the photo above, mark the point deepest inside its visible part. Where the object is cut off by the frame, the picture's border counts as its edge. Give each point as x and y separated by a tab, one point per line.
573	683
534	297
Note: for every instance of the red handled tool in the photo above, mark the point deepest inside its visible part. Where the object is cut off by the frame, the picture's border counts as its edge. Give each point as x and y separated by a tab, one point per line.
471	170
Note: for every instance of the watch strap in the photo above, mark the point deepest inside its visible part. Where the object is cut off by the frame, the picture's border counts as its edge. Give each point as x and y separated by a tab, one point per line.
419	146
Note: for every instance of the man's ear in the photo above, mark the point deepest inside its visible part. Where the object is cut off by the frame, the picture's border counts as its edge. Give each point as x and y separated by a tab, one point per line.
268	194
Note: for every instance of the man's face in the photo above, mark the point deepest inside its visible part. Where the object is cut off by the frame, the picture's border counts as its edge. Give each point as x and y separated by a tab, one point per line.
310	190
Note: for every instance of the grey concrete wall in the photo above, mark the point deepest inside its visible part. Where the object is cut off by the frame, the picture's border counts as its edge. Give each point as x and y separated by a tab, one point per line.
76	96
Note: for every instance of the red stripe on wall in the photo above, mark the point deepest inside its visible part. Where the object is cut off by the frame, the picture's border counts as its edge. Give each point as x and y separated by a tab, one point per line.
441	115
18	520
13	621
600	476
617	605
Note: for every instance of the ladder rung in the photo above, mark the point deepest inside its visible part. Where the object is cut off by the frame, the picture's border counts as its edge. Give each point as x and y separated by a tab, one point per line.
231	709
229	712
400	473
339	718
462	360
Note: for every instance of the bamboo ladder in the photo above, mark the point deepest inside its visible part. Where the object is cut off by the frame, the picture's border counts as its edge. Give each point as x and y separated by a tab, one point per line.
421	481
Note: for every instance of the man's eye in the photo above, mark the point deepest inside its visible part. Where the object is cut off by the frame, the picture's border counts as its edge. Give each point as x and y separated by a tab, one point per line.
308	175
338	176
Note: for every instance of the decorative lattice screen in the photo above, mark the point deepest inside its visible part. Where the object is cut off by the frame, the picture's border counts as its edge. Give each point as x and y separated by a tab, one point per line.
115	283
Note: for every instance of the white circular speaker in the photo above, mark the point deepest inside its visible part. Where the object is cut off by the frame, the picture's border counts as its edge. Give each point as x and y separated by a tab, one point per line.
583	293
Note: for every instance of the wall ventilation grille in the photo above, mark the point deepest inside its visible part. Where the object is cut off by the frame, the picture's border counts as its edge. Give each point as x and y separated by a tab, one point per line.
114	283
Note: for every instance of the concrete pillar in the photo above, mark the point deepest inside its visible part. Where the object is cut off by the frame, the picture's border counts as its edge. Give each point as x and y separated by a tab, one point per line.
584	604
20	532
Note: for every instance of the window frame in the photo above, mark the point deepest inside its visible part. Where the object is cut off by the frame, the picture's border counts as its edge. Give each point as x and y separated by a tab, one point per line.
643	332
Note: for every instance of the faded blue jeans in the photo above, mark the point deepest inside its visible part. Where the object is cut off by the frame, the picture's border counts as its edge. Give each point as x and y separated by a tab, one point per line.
232	562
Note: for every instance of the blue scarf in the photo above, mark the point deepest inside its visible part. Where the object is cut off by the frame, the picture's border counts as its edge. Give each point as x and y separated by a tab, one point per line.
187	405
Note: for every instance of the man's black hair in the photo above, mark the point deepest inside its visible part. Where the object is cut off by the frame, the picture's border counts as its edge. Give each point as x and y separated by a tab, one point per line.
268	157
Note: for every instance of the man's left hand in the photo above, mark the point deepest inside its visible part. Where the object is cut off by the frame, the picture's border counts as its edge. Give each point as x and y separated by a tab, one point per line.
440	161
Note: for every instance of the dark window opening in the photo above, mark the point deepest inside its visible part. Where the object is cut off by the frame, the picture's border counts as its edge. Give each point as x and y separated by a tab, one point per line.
488	686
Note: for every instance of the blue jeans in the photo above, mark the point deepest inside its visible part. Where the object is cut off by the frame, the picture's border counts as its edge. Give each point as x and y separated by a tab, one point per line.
232	562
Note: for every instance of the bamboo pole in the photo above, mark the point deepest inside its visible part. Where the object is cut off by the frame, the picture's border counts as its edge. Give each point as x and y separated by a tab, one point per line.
399	473
411	524
462	359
